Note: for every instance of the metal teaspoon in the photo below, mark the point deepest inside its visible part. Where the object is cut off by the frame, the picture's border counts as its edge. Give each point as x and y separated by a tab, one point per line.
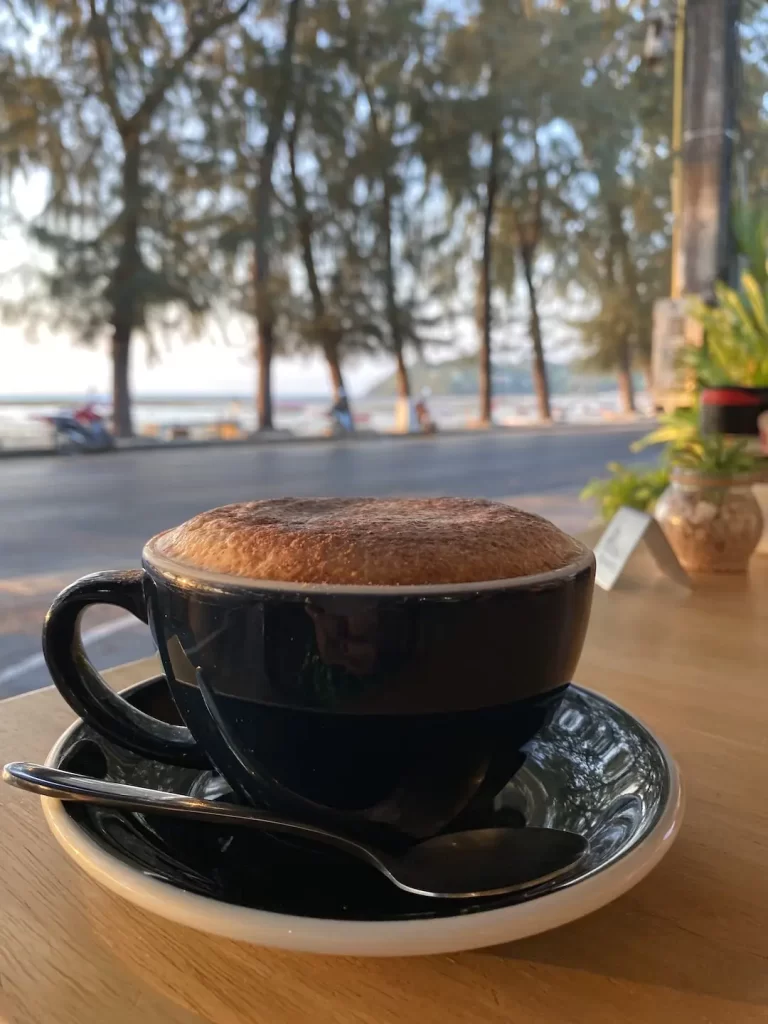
456	865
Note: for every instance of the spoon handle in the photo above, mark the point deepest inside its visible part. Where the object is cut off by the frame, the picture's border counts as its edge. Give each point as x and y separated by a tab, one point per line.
62	785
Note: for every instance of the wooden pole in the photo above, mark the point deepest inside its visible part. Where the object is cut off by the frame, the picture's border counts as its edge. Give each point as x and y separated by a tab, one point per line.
709	99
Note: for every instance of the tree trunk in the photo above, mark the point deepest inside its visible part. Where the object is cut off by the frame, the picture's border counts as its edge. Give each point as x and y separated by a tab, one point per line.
402	379
624	376
626	388
538	365
390	284
334	369
121	396
326	332
262	217
123	290
485	311
619	246
393	312
264	353
304	223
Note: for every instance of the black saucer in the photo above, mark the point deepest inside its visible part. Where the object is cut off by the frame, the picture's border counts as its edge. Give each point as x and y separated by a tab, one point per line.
592	769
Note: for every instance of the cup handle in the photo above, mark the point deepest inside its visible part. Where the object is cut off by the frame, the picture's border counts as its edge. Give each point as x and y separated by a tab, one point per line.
86	691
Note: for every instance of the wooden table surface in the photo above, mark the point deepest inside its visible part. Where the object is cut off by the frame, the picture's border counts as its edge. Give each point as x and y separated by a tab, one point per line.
689	944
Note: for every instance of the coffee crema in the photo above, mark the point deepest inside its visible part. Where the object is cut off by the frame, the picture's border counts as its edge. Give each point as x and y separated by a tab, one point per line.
369	541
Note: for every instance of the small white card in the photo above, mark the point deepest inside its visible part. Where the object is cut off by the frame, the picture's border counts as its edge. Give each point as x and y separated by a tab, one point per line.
620	539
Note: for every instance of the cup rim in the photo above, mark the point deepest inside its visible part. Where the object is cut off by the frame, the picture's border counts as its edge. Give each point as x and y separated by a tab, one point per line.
192	577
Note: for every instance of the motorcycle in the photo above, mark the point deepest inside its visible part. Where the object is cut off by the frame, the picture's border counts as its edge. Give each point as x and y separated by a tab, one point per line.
82	430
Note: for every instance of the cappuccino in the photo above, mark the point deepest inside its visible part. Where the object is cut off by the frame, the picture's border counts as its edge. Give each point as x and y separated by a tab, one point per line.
369	541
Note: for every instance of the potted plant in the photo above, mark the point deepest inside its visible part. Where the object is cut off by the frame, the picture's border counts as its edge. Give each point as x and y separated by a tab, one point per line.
626	488
709	514
732	365
674	429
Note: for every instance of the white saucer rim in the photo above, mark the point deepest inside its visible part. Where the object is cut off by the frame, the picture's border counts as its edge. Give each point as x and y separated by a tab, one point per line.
370	938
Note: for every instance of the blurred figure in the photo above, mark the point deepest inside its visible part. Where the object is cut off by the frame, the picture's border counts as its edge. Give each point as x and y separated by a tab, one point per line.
341	415
424	422
83	429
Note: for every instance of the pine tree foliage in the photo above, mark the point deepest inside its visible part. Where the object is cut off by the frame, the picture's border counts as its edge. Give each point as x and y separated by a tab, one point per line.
350	176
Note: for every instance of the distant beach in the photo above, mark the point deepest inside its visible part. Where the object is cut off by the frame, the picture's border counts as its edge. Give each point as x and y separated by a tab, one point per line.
22	424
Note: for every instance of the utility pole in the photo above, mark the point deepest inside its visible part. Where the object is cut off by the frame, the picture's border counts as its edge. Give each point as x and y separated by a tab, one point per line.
706	73
705	250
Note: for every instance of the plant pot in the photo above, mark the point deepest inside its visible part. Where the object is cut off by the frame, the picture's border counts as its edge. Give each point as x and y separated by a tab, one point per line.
712	522
760	491
732	410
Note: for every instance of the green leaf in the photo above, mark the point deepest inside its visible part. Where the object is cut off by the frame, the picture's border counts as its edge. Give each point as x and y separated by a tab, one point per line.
754	294
716	454
626	487
677	428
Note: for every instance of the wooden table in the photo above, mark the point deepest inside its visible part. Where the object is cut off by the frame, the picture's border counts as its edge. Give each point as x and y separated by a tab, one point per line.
690	944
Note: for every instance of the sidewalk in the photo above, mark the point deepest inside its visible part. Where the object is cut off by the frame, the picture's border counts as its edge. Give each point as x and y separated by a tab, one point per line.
361	437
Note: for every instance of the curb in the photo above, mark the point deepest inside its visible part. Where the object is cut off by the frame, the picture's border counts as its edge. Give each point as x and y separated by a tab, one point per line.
260	441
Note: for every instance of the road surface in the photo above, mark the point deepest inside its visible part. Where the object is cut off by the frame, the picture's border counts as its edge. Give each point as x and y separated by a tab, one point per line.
62	517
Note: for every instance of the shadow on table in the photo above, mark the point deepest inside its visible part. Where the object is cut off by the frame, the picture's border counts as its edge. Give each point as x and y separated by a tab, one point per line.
627	961
633	940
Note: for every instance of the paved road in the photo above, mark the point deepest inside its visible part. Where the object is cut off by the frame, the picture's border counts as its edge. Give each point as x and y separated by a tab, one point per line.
62	517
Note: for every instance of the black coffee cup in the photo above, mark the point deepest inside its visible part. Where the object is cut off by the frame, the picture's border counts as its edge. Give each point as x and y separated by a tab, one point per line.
380	709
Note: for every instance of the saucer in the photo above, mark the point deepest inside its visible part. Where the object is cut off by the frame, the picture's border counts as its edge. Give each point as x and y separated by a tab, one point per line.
593	769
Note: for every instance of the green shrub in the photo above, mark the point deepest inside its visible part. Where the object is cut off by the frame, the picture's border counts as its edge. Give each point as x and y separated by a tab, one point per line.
635	488
736	332
675	429
736	328
713	454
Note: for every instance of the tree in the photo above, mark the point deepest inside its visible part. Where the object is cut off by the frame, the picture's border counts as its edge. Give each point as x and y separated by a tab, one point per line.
261	207
353	177
473	66
119	251
326	325
529	227
752	115
485	283
244	125
324	314
503	97
401	237
375	57
617	254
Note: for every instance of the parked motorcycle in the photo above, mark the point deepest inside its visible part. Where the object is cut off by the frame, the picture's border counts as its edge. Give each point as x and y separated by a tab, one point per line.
81	430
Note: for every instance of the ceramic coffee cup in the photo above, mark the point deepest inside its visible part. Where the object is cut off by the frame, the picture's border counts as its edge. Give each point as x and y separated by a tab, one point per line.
377	708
